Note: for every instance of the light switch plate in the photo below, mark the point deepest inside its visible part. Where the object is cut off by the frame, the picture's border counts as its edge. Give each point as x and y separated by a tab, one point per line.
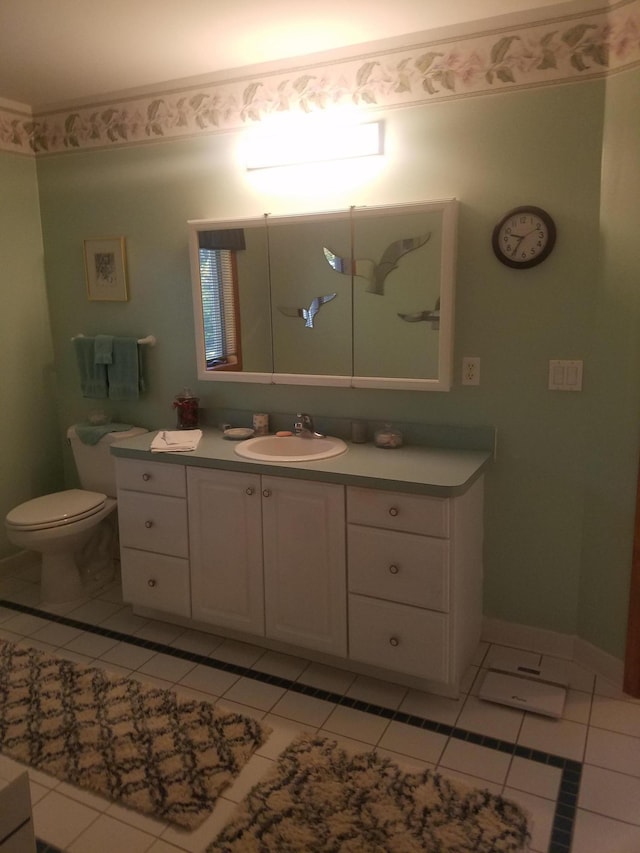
565	375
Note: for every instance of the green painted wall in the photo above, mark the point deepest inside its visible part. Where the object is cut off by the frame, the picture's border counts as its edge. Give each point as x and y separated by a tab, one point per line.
542	146
29	435
611	470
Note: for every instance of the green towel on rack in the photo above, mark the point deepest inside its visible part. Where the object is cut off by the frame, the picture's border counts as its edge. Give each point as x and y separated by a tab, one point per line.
93	377
103	349
124	373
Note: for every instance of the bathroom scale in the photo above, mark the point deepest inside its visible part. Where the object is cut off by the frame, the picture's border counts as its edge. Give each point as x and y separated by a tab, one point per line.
541	690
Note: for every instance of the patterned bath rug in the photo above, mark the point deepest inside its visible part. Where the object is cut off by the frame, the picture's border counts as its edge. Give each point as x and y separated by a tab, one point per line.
318	799
137	745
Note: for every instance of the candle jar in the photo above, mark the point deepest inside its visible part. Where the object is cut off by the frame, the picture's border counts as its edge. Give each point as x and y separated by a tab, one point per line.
388	437
186	406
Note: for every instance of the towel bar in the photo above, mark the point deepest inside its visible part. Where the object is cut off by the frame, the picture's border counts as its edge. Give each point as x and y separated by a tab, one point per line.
149	340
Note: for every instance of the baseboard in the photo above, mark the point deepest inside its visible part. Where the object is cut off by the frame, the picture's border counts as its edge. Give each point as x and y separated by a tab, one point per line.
606	665
545	642
526	637
17	562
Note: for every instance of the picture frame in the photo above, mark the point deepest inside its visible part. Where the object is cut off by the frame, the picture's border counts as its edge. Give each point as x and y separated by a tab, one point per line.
105	269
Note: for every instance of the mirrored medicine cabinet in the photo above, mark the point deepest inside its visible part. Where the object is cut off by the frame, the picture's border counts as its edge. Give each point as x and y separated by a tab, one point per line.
361	297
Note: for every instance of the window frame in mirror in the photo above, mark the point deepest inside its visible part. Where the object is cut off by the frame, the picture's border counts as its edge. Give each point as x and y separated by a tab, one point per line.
206	373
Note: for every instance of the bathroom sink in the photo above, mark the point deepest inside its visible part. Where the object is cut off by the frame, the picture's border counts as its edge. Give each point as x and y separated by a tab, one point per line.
290	448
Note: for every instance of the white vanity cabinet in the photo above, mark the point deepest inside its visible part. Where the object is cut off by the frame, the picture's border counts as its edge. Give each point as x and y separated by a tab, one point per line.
415	581
154	538
386	583
268	557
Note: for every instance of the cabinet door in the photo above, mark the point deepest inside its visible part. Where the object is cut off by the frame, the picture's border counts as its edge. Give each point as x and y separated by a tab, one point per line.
225	529
304	563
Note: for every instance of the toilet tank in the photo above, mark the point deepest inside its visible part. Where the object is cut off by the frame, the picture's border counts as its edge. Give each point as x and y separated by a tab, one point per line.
94	462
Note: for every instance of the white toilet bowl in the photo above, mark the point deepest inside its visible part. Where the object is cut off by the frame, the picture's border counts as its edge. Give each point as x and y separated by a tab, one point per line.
58	525
74	530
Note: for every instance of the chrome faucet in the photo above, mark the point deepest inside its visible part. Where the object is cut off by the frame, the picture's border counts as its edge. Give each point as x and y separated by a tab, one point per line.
304	426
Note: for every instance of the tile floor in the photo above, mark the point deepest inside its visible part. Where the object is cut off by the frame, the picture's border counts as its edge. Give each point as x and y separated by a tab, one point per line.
579	778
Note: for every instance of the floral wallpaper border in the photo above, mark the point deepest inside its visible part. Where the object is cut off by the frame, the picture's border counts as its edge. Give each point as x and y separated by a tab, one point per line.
549	53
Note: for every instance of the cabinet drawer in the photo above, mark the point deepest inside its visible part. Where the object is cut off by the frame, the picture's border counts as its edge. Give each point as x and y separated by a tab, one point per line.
153	523
160	478
401	567
398	637
398	511
156	581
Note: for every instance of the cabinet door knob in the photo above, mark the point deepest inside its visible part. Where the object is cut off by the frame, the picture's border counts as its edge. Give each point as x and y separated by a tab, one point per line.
250	490
266	493
394	511
146	477
394	569
148	524
394	641
152	582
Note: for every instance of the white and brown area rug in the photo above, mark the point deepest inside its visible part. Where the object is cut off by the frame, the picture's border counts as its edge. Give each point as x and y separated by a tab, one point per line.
318	799
134	744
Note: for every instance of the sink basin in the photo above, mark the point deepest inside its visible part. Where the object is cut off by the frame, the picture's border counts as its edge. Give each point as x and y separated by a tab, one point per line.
290	448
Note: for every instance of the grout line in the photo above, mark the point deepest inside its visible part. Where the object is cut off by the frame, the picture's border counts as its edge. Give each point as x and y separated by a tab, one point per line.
571	770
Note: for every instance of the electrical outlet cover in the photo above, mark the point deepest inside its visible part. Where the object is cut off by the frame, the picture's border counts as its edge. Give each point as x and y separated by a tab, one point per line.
470	371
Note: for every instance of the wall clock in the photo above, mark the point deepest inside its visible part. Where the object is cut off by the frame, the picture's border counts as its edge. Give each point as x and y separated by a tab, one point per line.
524	237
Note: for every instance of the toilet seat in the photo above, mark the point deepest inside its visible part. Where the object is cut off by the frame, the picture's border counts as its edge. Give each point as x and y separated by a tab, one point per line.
56	510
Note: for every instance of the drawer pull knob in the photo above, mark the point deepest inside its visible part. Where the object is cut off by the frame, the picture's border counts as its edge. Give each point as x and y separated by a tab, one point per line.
152	582
146	477
148	524
394	641
250	490
394	569
394	511
266	493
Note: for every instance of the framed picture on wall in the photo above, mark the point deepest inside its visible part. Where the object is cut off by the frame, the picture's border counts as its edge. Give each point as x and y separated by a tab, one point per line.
105	269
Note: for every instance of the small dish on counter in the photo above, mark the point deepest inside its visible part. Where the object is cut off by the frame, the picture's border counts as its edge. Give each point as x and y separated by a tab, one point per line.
238	433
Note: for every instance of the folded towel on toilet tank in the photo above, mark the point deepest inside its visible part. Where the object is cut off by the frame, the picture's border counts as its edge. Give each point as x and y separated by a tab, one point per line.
92	433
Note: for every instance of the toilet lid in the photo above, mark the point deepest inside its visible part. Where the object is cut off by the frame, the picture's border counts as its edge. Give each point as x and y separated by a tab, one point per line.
57	508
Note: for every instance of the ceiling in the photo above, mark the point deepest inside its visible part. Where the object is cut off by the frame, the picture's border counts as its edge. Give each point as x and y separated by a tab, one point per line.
58	52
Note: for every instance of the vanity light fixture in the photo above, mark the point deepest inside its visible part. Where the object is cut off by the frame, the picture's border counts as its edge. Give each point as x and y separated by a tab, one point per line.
312	142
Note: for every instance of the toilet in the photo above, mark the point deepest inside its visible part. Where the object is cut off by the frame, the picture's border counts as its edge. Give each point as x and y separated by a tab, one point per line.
73	529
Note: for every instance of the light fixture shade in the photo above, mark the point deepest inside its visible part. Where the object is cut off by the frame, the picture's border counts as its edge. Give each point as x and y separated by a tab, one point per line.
313	143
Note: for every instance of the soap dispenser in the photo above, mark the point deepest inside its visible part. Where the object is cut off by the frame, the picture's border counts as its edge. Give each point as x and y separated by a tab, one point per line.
186	406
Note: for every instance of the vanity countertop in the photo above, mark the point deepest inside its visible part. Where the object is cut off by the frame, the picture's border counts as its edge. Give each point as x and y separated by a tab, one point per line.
421	470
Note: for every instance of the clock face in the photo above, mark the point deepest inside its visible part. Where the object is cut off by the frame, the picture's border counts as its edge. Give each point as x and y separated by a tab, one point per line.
524	237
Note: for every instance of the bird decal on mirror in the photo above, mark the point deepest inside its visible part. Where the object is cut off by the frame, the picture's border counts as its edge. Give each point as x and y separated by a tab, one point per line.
375	274
308	314
432	317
